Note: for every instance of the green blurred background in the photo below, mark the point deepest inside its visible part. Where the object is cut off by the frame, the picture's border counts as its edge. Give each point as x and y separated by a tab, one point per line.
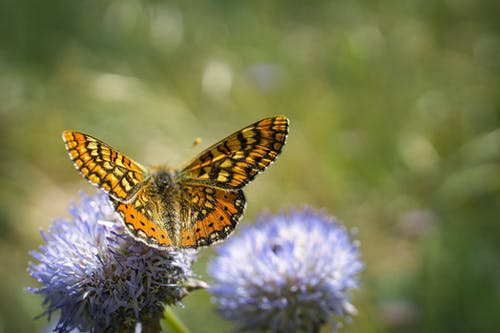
394	109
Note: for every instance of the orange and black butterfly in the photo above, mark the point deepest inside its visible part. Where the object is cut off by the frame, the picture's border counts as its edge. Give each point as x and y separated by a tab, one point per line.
190	207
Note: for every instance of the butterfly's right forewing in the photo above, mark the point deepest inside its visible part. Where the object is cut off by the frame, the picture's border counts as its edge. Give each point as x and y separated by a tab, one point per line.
235	161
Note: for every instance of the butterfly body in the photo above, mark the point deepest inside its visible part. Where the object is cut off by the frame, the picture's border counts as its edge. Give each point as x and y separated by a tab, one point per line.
157	200
190	207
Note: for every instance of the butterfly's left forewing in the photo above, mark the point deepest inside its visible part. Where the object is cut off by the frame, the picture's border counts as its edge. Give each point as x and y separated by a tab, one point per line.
101	165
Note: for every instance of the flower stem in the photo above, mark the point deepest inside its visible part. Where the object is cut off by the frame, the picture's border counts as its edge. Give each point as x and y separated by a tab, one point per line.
172	323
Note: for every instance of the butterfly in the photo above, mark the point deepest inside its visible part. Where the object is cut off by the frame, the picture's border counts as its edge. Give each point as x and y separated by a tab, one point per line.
189	207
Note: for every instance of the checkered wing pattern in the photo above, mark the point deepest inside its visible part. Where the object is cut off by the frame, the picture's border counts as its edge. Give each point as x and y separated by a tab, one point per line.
106	168
236	160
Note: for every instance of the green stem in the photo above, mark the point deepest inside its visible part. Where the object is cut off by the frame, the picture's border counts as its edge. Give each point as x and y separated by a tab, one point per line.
172	322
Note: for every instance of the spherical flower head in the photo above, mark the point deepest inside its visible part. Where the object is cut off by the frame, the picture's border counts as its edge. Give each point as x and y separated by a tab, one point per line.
99	277
287	273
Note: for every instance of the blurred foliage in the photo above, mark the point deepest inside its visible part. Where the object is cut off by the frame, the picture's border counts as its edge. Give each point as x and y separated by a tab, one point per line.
394	109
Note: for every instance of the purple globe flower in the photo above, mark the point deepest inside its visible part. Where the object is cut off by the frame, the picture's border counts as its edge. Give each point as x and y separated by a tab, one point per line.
100	278
287	273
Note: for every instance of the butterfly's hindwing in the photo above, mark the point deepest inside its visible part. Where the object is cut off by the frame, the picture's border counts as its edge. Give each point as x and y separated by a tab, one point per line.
211	214
140	220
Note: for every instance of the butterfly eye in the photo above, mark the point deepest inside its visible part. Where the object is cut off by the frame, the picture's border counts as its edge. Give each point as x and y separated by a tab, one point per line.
162	179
